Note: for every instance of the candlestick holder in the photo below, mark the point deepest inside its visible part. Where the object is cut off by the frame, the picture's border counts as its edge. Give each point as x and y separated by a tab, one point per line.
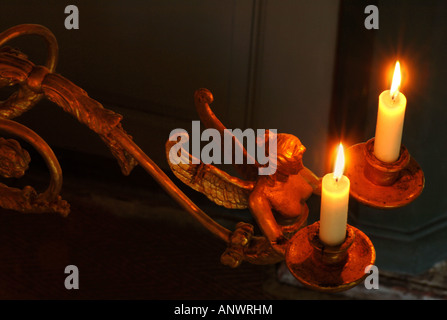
329	268
380	184
276	201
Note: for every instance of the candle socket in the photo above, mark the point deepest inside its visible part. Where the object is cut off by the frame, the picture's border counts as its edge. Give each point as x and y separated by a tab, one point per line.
380	184
329	268
331	256
384	173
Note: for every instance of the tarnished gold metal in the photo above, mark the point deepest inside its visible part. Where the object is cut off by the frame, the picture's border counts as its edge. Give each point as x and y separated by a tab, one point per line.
333	256
382	173
277	201
383	185
25	98
15	68
27	199
329	269
34	83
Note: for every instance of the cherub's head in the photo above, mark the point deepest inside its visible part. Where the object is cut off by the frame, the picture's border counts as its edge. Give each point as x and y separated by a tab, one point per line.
289	154
287	158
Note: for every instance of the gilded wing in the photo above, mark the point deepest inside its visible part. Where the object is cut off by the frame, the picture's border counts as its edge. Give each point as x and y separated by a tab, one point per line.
220	187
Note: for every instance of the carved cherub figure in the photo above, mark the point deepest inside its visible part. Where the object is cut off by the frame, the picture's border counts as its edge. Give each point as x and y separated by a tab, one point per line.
276	201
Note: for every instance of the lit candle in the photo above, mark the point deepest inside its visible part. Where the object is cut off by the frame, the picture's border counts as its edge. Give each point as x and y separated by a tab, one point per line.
334	204
390	121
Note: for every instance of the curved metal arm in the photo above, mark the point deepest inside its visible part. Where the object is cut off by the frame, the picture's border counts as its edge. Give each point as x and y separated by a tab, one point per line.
27	200
44	150
34	29
202	99
170	187
24	99
104	122
40	80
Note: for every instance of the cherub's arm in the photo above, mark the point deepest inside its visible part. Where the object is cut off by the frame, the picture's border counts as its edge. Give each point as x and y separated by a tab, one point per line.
312	179
261	210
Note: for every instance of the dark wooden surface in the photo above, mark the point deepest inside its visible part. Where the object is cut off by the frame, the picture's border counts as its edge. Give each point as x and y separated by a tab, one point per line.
128	240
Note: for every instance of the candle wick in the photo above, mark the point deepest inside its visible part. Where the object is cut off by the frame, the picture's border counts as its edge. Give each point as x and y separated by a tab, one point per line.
394	95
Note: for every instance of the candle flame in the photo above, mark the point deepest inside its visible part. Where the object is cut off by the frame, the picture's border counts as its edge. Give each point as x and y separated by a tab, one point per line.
339	163
396	81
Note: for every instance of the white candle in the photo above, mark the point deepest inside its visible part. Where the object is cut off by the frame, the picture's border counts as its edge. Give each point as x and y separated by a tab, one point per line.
334	204
390	121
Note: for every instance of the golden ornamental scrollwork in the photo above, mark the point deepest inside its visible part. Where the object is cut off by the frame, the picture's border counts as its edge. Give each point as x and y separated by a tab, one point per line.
23	99
15	161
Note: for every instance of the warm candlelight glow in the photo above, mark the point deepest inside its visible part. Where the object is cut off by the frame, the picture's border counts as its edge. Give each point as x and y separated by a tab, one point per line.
334	203
396	81
339	163
390	121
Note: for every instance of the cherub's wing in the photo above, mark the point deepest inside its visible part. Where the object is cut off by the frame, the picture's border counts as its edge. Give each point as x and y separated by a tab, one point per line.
220	187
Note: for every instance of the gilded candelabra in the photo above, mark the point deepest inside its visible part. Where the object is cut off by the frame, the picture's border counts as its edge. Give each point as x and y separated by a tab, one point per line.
276	201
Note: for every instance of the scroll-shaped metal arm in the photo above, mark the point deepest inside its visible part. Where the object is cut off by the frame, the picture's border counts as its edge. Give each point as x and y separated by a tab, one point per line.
38	81
27	199
15	68
24	99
